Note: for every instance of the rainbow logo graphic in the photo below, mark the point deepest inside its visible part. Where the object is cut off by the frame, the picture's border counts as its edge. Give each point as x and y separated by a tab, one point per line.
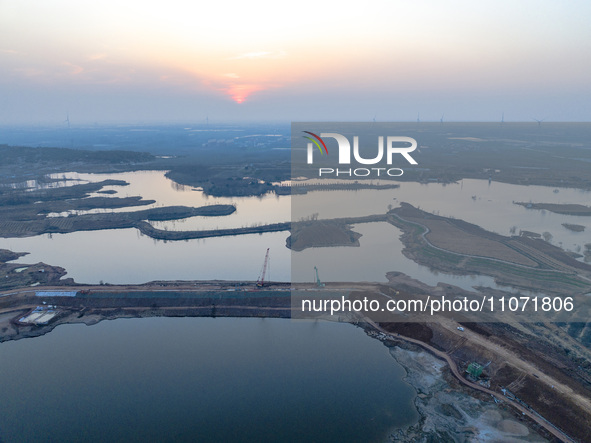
316	142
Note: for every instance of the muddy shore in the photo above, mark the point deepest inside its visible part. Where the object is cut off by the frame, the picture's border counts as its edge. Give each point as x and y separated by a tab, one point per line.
447	413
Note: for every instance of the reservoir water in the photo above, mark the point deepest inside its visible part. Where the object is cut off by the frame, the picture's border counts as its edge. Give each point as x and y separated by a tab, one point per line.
202	379
188	379
125	256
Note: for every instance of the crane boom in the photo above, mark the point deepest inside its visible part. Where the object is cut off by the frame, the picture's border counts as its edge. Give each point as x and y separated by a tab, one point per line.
261	279
318	282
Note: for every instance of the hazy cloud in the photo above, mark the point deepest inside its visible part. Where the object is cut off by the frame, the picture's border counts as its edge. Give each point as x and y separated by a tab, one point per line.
259	55
94	57
29	72
74	69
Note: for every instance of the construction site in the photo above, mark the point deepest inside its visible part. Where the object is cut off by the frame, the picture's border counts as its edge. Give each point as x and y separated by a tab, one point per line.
490	358
535	369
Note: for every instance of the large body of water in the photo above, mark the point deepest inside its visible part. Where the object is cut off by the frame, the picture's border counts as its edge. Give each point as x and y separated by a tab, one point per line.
125	256
189	379
489	205
202	379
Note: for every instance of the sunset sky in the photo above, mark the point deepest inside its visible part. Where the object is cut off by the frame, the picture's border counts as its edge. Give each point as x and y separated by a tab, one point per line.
182	61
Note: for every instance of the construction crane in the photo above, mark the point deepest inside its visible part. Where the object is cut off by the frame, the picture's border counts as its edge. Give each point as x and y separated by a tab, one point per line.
318	282
261	279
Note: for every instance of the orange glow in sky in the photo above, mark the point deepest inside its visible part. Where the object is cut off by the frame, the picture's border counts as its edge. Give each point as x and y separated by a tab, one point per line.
240	75
239	93
409	56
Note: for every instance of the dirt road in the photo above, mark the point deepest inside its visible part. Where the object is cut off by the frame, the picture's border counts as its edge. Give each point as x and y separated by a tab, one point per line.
455	371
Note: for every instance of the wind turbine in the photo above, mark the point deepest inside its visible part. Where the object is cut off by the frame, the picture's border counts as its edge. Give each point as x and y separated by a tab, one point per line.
374	118
67	120
441	119
539	121
418	117
503	117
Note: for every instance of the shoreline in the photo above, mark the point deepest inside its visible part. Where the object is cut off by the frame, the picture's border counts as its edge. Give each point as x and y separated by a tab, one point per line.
448	413
273	304
445	408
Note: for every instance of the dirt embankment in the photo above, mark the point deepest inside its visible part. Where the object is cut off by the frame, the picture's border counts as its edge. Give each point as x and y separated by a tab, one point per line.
317	234
458	247
354	185
446	410
18	275
574	227
327	233
101	303
559	208
159	234
544	379
115	220
28	212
